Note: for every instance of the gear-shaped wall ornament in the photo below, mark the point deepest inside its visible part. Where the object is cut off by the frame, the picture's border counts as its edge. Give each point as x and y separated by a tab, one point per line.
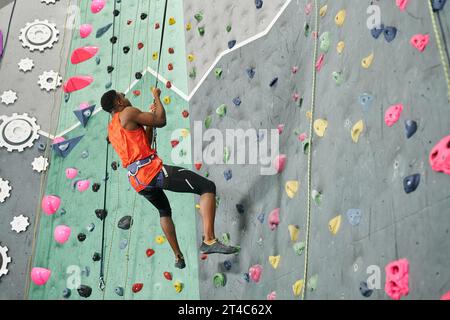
5	189
5	261
18	132
19	223
49	1
50	80
39	35
26	64
9	97
40	164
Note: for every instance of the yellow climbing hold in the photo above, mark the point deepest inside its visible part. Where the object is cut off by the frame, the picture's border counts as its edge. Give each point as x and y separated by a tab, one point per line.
357	130
297	287
166	100
340	47
291	188
367	61
293	232
172	21
323	11
155	55
340	18
185	133
160	239
335	224
191	57
320	126
188	26
178	286
309	115
274	261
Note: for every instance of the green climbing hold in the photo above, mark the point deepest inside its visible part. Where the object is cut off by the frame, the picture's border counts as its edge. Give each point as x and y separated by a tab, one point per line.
299	247
226	154
306	146
338	78
208	121
217	201
222	110
226	238
198	16
206	174
325	41
201	31
218	72
312	282
229	28
193	73
306	28
219	280
317	197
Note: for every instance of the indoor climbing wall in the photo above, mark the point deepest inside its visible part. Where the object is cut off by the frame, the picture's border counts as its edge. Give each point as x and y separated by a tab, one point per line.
381	105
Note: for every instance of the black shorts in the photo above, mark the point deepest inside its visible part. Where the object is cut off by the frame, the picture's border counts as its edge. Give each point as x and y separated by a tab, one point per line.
175	179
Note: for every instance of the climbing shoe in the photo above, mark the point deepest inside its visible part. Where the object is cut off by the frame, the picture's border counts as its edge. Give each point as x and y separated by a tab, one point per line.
179	262
217	247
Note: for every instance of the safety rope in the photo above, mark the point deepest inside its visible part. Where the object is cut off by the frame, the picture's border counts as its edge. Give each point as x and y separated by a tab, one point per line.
312	109
442	47
7	32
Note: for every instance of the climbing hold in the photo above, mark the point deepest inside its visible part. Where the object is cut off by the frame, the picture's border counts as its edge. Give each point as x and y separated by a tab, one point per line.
178	286
125	222
160	239
203	256
201	31
260	217
138	75
237	101
390	33
273	82
82	54
320	126
50	204
83	185
90	227
299	247
338	77
376	32
316	196
439	157
397	276
208	121
140	45
340	18
157	25
149	252
114	165
136	93
71	173
401	4
293	232
218	72
116	13
272	296
96	256
81	237
77	83
392	114
357	130
246	277
226	238
172	21
410	128
188	26
168	275
335	224
66	293
227	174
411	183
191	57
155	55
227	265
319	62
323	11
137	287
251	72
446	296
354	216
174	143
123	244
119	291
305	144
274	219
279	163
42	147
420	41
198	16
291	188
97	5
255	272
101	213
198	165
110	69
40	276
274	261
325	41
170	66
231	44
228	28
97	60
294	69
312	282
85	30
221	110
297	287
61	233
113	39
258	4
171	50
219	280
240	208
367	61
364	289
101	31
84	291
366	101
306	29
84	113
438	5
143	16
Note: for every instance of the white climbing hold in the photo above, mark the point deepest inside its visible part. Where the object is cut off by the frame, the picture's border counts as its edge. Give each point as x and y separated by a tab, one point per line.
26	64
9	97
40	164
19	223
5	189
50	80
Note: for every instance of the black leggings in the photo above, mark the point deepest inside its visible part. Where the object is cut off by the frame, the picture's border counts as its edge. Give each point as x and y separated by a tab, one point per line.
175	179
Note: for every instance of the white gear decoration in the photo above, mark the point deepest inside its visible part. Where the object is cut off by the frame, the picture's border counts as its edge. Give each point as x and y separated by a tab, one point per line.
5	261
26	64
49	1
18	132
5	189
50	80
39	35
9	97
19	223
40	164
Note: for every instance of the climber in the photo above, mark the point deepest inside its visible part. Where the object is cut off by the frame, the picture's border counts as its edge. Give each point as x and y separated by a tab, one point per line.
130	132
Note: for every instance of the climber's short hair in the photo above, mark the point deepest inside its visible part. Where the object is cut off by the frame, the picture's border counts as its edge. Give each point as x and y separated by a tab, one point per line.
109	100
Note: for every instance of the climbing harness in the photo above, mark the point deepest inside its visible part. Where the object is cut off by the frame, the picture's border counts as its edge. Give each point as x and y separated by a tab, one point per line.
134	167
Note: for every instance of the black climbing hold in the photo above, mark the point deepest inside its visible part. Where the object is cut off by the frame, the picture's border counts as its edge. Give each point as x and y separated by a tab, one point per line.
411	183
138	75
103	30
41	147
114	165
227	265
63	211
258	4
81	237
390	33
377	31
126	49
96	256
113	39
116	12
90	227
84	291
231	44
107	140
246	277
101	213
110	69
125	222
97	60
66	293
143	16
95	187
119	291
410	127
66	97
240	208
251	72
273	82
364	289
438	5
108	85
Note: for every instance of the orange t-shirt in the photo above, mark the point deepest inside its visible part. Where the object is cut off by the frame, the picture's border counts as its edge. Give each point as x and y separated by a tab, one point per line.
131	146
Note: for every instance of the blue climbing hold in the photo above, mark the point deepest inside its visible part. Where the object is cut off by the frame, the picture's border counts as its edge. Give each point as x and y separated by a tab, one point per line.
66	97
273	82
390	33
108	85
97	60
63	148
246	277
258	4
364	289
227	174
227	265
410	127
354	216
103	30
376	32
438	5
237	101
411	183
251	72
119	291
260	217
66	293
231	44
123	244
83	115
366	101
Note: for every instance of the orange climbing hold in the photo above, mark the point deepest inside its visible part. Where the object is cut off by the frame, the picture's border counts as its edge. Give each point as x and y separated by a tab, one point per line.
77	83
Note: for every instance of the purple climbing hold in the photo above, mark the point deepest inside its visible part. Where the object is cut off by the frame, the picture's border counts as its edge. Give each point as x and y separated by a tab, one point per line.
410	127
438	5
251	73
260	217
273	82
390	33
376	32
237	101
227	174
411	183
231	44
258	4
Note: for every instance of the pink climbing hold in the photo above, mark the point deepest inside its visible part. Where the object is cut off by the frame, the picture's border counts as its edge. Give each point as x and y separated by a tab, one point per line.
280	128
50	204
82	54
77	83
295	97
97	5
255	272
294	69
402	4
302	136
58	140
446	296
279	163
392	114
85	30
397	276
83	106
71	173
308	8
274	219
319	62
40	276
272	296
83	185
420	41
440	156
62	233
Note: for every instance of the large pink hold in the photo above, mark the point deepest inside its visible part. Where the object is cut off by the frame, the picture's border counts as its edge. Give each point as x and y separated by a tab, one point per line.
274	219
71	173
397	276
83	185
420	41
40	276
62	233
272	296
402	4
279	162
77	83
50	204
446	296
82	54
392	114
255	272
440	156
85	30
97	5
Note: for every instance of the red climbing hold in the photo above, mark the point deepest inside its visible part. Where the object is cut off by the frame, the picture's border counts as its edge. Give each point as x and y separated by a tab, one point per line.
150	252
171	51
157	26
174	143
185	113
140	45
168	275
168	85
137	93
198	165
170	67
203	256
82	54
137	287
129	22
77	83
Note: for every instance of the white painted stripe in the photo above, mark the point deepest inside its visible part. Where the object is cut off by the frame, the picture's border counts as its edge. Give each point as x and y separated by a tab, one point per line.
46	134
189	184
